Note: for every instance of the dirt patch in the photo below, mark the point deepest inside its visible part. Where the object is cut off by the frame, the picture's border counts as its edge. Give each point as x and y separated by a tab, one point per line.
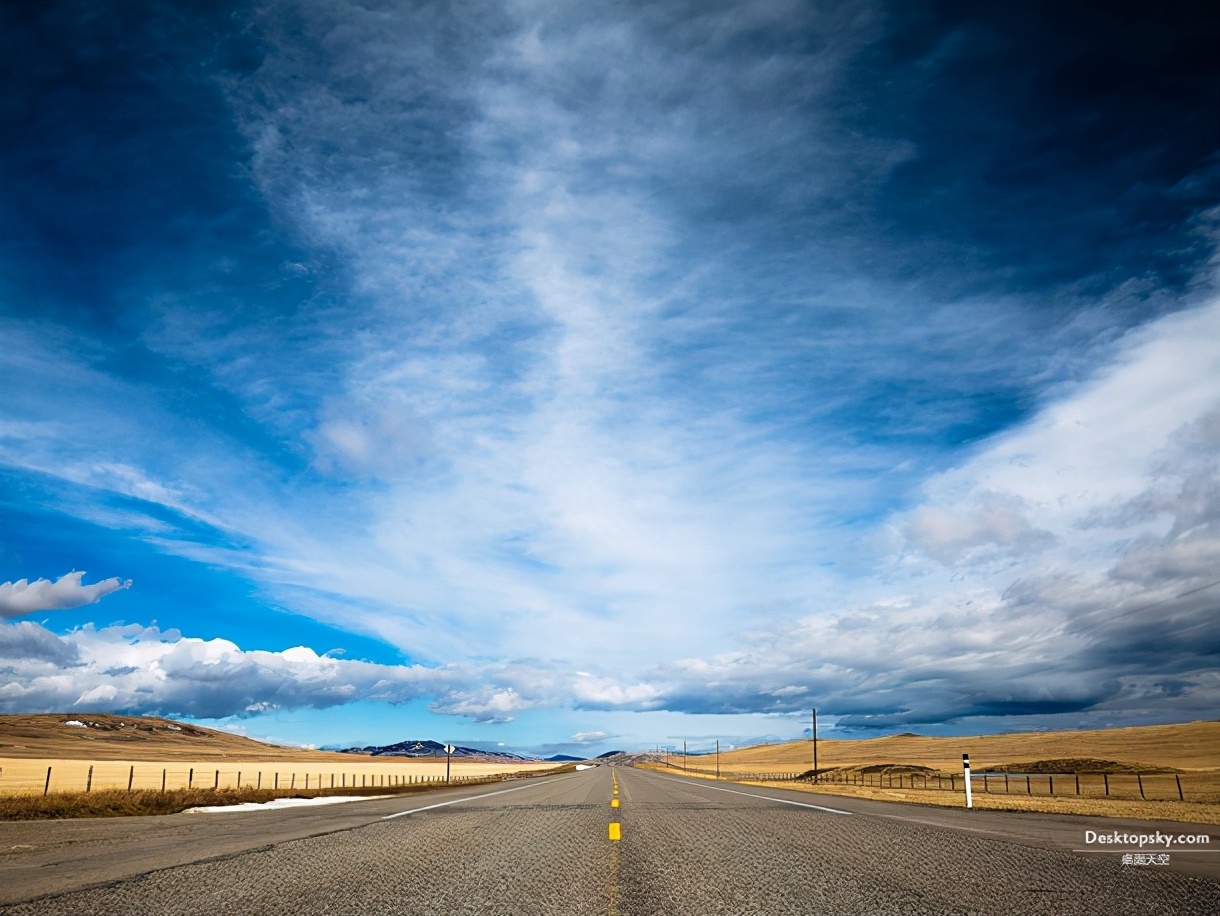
1075	765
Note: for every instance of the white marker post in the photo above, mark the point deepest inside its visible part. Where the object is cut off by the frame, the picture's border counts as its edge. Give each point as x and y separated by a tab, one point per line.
448	757
966	769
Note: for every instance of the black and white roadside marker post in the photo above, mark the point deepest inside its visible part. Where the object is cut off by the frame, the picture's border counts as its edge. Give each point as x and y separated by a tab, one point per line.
448	758
966	769
815	745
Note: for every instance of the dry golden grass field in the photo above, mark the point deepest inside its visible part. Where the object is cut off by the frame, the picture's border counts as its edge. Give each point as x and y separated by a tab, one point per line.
899	766
1192	746
148	753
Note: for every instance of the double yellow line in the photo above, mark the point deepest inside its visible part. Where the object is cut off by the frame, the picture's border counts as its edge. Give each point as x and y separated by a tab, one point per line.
616	829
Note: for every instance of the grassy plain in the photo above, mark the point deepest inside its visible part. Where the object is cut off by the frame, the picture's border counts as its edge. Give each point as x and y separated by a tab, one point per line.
148	754
1193	746
110	737
1191	751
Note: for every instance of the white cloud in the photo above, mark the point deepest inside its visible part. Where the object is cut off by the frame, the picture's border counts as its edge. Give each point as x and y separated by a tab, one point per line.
1135	428
589	737
139	669
994	523
25	597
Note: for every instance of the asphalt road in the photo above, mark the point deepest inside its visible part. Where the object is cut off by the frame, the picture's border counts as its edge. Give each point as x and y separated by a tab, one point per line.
543	847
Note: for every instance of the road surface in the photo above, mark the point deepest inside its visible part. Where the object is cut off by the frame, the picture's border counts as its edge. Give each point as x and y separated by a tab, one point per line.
543	847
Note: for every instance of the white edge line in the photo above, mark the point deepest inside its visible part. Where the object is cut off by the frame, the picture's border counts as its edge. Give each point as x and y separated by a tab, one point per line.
456	801
782	801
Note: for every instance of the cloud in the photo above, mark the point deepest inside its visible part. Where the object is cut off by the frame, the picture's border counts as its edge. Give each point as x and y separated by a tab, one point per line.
137	669
147	670
994	523
31	643
1105	512
589	737
24	597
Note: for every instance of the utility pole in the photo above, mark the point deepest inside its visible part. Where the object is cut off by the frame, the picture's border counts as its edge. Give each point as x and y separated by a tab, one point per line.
717	758
815	744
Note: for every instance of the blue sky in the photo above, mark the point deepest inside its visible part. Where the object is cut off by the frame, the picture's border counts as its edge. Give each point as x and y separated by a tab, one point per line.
574	376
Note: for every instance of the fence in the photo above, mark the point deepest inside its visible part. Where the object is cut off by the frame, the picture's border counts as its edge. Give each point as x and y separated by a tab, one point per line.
77	776
1150	786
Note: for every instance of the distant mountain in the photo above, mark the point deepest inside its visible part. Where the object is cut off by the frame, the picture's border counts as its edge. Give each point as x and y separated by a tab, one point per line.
608	754
564	758
434	749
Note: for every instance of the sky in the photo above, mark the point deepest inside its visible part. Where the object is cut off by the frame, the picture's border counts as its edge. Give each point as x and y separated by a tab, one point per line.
565	377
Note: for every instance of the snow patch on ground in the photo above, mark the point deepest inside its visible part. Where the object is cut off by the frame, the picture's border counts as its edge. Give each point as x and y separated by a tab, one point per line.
282	803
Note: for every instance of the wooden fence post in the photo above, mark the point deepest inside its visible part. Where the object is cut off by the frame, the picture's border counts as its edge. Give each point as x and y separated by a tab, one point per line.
1140	779
47	788
89	781
1077	783
239	779
163	779
190	779
131	775
1178	780
1051	783
216	783
1106	778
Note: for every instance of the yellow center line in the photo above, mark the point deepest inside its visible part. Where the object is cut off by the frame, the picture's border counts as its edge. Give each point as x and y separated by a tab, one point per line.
615	833
616	829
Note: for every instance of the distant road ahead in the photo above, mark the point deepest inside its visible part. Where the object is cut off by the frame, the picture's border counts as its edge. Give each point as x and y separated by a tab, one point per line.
543	847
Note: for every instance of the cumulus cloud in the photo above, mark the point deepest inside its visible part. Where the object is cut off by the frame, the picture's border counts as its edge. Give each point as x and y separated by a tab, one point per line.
32	643
145	669
138	669
25	597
